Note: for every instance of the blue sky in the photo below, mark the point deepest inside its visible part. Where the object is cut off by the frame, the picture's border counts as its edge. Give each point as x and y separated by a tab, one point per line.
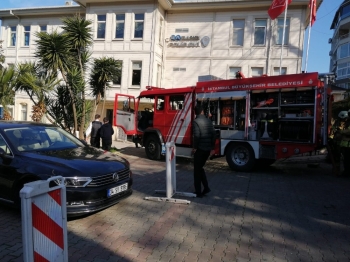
318	57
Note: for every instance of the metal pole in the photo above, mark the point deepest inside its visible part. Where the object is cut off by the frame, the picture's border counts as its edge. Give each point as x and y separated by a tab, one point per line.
308	39
283	35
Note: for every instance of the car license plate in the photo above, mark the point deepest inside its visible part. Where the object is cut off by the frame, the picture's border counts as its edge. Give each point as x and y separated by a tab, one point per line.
117	189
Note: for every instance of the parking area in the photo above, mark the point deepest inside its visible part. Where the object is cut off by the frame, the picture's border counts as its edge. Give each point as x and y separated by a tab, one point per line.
288	212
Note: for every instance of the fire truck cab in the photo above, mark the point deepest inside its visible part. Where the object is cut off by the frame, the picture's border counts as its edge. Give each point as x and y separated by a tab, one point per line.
256	119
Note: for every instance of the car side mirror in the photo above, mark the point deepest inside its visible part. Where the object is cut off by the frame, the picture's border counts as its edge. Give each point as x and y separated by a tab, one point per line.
2	152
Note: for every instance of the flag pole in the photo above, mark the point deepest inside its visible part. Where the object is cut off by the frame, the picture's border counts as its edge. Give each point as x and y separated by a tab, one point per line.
283	34
308	38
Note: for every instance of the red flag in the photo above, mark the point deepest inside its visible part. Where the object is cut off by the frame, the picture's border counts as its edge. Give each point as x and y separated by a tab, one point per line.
312	6
277	7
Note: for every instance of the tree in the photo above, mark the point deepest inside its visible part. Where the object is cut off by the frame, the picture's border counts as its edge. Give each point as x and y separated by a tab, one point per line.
104	70
7	93
67	53
37	83
2	57
79	34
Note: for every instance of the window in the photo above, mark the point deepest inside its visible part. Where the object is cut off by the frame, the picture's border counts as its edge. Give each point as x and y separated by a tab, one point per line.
280	25
276	71
139	19
117	79
160	37
257	71
159	70
182	69
136	73
119	26
343	51
13	36
160	103
101	26
260	31
43	28
232	72
181	30
24	112
26	35
176	102
238	32
343	70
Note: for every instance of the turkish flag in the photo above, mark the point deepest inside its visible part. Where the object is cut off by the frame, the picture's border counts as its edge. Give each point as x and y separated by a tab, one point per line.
312	6
277	7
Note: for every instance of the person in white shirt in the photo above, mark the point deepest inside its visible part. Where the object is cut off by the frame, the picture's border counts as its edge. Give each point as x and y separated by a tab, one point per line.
93	131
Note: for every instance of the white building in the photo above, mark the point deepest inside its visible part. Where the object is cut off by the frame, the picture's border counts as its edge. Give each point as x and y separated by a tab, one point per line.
340	48
169	43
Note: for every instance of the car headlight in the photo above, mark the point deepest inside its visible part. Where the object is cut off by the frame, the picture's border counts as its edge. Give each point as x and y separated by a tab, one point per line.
75	181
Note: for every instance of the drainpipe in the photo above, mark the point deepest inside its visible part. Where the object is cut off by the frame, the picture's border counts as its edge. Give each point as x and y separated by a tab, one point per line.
17	35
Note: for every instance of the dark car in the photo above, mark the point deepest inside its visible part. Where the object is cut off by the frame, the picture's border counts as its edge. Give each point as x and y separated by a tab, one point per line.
30	151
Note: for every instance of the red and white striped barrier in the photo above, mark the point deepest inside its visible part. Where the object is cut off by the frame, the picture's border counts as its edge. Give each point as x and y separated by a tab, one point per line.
44	221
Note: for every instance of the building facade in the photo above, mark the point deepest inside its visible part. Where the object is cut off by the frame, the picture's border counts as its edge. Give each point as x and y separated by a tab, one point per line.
340	46
168	43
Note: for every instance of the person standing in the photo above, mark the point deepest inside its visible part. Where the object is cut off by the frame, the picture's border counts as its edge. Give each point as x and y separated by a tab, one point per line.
106	132
92	131
203	147
342	139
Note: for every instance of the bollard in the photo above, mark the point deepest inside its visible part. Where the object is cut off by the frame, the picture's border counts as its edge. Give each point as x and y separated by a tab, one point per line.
44	221
171	179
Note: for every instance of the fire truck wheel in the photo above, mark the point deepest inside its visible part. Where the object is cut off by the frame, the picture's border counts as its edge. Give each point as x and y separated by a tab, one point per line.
153	147
240	157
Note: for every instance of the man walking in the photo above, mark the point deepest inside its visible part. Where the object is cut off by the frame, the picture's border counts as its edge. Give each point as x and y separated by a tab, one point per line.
203	147
92	131
106	132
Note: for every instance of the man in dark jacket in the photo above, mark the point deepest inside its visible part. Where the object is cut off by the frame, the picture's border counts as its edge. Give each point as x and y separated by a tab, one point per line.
106	132
203	147
93	131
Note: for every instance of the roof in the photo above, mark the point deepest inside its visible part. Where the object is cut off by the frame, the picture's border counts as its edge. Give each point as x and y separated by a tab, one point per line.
169	5
335	20
337	89
35	11
13	124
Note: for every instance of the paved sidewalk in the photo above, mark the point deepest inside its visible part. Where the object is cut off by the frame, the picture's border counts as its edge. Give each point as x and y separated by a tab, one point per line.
288	212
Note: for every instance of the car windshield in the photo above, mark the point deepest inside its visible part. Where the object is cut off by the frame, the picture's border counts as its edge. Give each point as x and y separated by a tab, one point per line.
37	138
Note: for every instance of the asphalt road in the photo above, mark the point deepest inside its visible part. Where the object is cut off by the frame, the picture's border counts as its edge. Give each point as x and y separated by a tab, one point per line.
288	212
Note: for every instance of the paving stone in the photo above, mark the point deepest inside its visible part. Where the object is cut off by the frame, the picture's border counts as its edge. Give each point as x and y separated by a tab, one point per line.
285	213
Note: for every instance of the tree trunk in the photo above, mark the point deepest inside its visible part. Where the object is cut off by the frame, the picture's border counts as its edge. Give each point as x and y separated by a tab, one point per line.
104	100
73	102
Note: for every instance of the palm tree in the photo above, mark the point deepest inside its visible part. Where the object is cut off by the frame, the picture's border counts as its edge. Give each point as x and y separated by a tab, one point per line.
37	83
53	53
7	94
79	34
2	57
104	70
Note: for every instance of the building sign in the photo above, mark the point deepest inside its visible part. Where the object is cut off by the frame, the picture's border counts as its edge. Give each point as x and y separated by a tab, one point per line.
187	41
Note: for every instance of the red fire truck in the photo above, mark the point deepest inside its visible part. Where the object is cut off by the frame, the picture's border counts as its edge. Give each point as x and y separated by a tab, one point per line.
259	119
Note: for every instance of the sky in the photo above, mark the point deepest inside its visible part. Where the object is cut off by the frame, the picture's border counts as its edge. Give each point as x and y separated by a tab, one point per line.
318	54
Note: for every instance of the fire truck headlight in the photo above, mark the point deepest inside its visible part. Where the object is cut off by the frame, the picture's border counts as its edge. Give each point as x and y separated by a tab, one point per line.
284	150
296	151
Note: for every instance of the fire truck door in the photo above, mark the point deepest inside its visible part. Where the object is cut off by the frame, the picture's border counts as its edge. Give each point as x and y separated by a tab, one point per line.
124	110
178	118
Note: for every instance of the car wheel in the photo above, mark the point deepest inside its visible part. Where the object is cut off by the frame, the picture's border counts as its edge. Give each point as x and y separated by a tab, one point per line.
240	157
152	147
